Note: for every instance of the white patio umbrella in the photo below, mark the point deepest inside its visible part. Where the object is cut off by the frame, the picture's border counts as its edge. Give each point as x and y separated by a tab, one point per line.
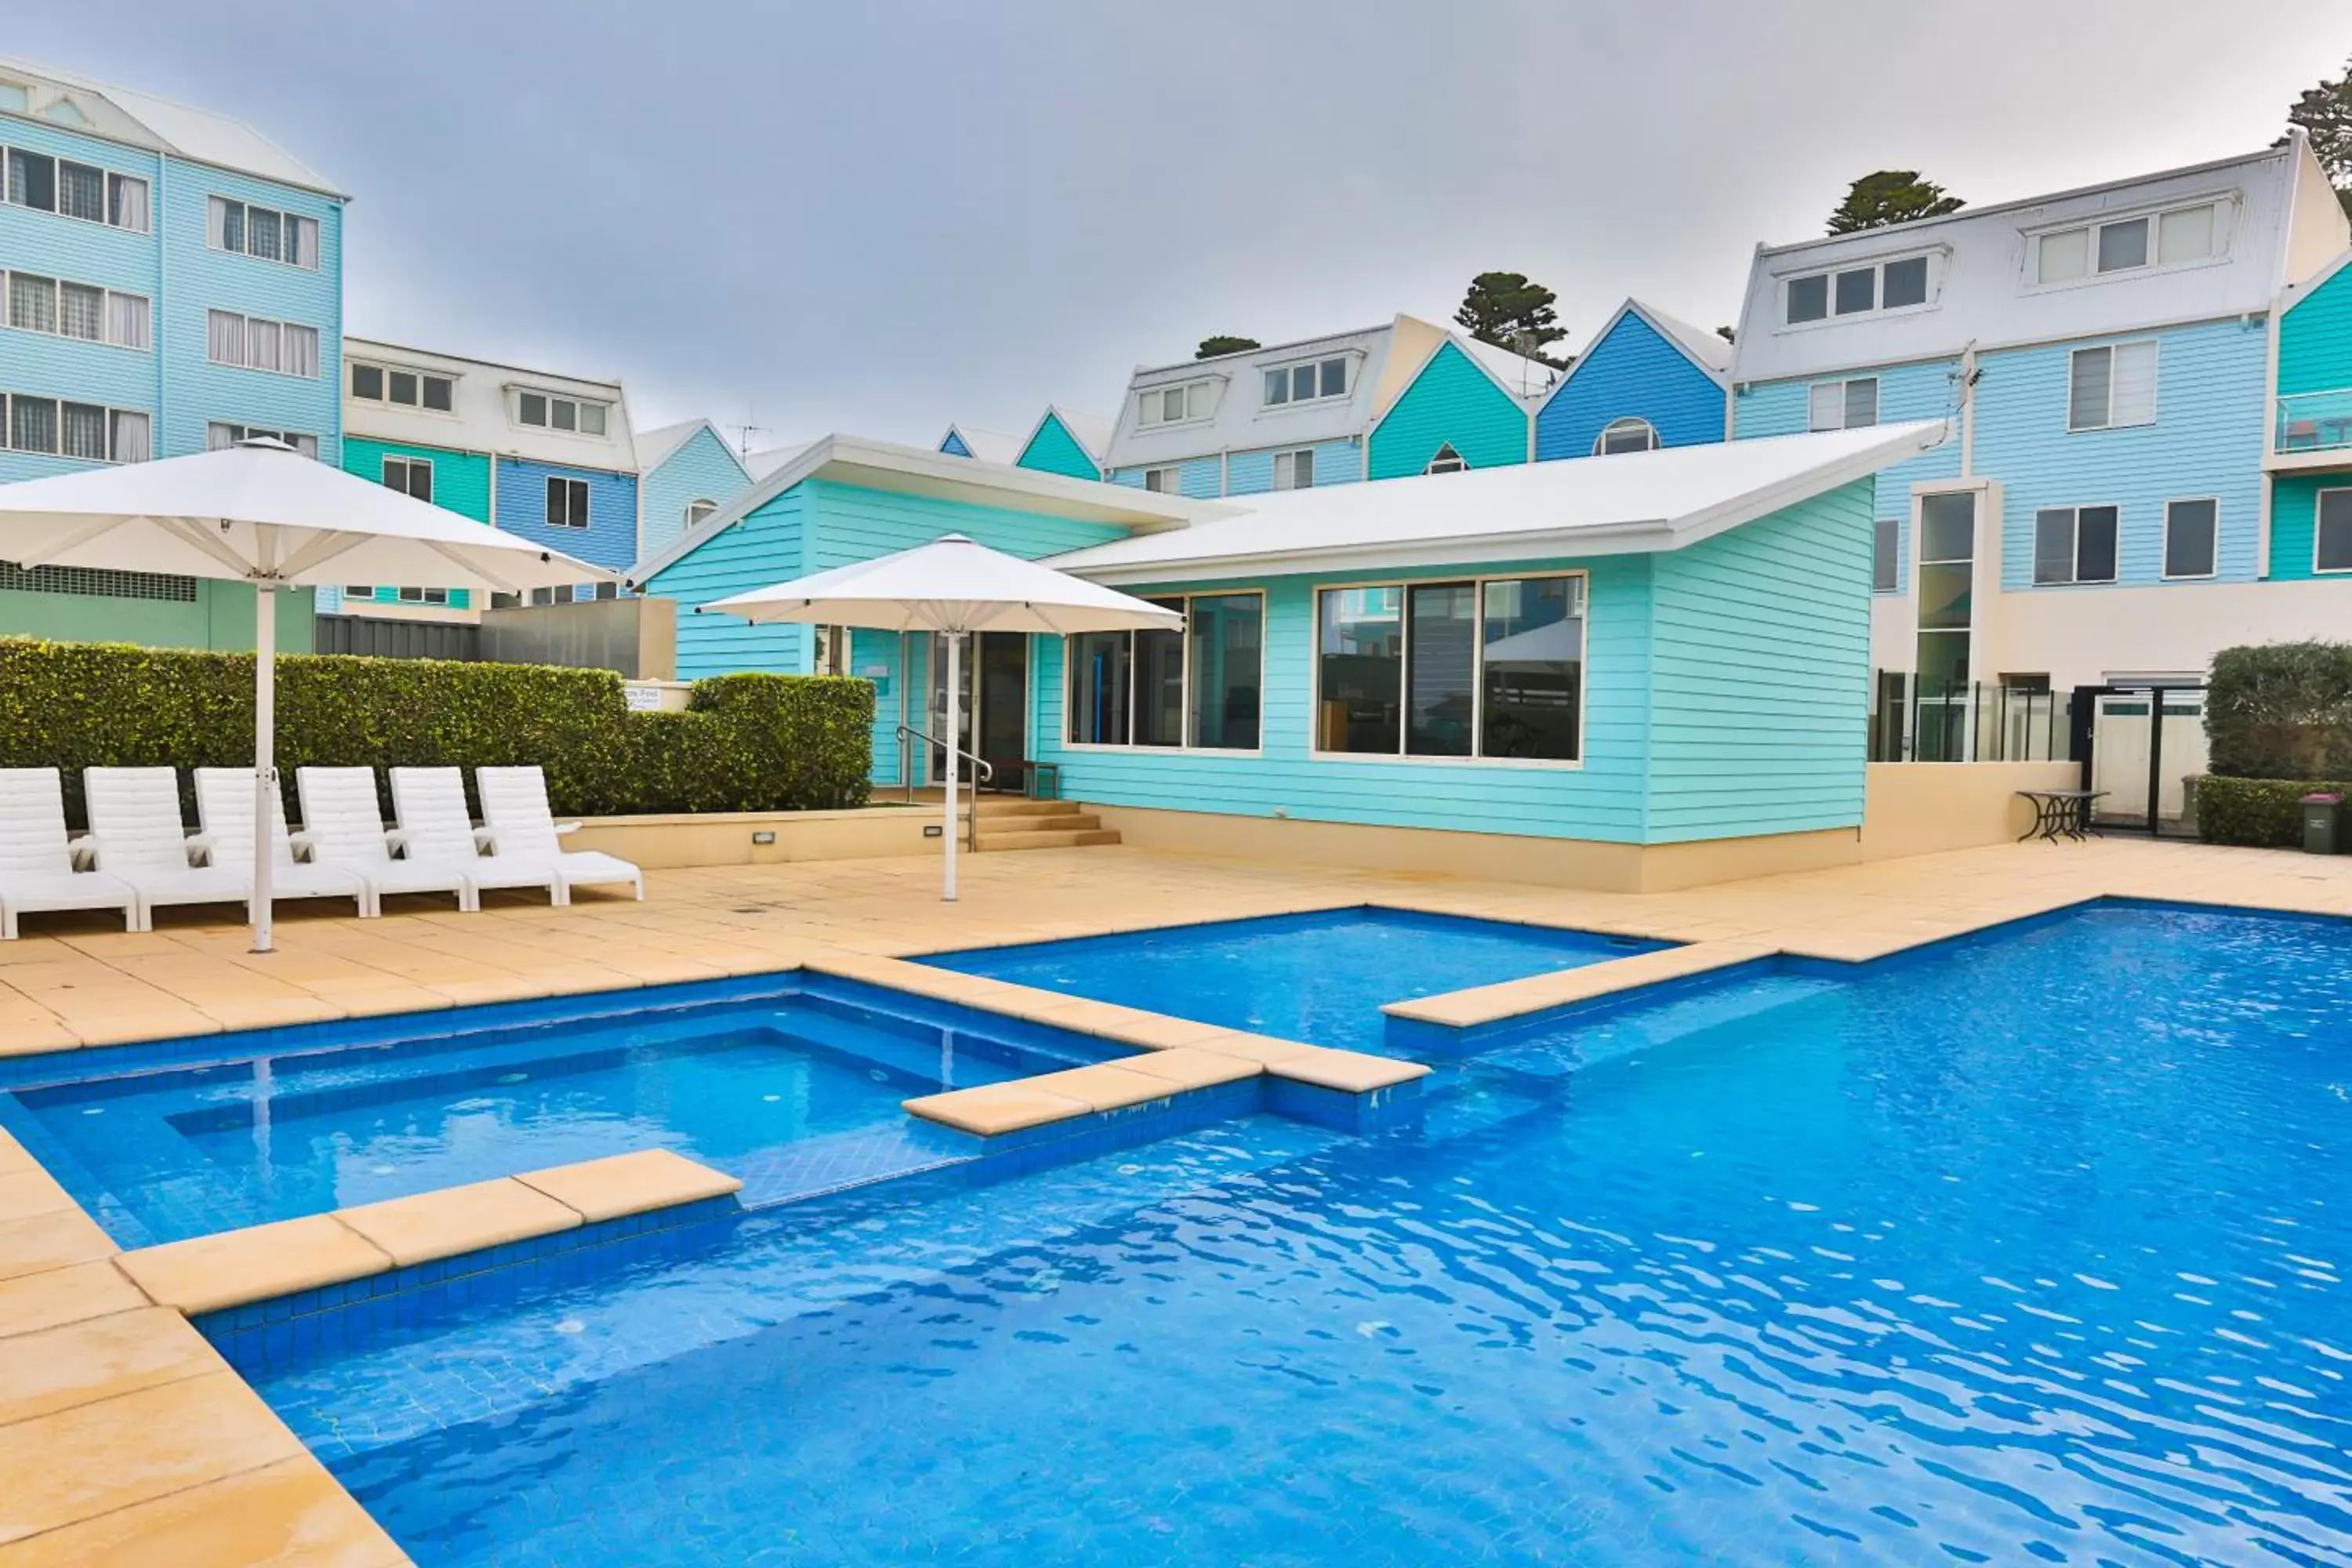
954	587
259	512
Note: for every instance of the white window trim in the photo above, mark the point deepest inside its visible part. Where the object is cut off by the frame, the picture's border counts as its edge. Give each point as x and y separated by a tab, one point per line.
2074	510
2165	544
1477	580
1142	393
1877	403
244	431
1175	472
710	510
8	428
106	190
1601	441
281	326
105	310
2226	205
432	479
385	369
284	215
1274	470
1352	358
514	413
1938	257
2318	506
1131	748
1451	456
2154	385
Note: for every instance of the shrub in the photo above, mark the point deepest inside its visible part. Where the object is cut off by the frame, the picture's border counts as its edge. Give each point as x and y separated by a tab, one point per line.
2266	814
748	743
2282	711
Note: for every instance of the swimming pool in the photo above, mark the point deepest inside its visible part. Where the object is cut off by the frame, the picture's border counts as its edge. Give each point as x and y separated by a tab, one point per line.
2028	1248
212	1136
1320	978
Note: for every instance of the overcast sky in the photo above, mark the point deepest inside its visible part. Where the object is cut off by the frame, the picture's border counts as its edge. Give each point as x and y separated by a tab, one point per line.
880	216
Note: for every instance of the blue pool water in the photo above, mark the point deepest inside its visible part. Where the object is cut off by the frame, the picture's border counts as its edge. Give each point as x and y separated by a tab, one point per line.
2029	1249
185	1149
1320	978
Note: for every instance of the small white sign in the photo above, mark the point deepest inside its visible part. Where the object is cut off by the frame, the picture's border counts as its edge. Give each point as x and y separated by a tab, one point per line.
643	698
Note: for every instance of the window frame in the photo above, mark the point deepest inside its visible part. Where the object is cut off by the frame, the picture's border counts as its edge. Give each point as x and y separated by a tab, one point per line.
1845	399
2224	204
1626	422
698	511
1175	485
58	427
1130	747
1206	385
108	180
1314	364
1875	266
2318	529
384	371
2154	385
1478	581
106	298
1890	530
549	399
245	337
238	432
587	503
408	467
245	231
1447	460
2168	575
2075	551
1274	475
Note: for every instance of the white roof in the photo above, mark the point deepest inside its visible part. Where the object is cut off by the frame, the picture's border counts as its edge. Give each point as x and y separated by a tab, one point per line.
1634	503
987	445
1240	422
158	125
760	464
1709	349
1528	380
916	470
657	444
1092	431
483	416
1980	293
950	585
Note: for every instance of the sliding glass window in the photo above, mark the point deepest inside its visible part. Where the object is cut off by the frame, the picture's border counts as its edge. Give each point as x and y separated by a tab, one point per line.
1491	669
1196	688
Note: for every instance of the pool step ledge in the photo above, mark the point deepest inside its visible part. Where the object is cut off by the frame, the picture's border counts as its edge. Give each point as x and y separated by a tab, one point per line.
1560	988
237	1268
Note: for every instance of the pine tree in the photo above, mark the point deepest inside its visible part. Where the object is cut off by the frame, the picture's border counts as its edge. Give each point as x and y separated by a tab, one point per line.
1890	195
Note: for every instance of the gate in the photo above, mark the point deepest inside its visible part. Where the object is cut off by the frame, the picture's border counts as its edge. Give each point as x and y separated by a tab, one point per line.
2140	745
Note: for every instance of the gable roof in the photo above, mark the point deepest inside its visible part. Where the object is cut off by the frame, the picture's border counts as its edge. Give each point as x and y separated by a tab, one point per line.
1981	294
1634	503
915	470
1529	380
1092	432
161	125
1240	422
1687	340
986	446
655	447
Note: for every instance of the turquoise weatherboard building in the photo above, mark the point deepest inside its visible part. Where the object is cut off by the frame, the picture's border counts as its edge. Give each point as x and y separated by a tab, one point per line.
1071	445
1647	381
2309	438
174	283
1467	407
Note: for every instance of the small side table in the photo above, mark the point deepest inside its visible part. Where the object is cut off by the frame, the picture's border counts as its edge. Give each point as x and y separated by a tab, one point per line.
2059	813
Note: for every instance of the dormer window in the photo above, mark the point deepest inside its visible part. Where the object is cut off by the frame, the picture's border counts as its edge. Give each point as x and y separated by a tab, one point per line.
1900	283
2177	237
400	388
545	411
1309	382
1447	461
1175	404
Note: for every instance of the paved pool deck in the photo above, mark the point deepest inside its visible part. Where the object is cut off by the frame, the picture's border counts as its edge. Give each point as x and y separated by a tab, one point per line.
125	1438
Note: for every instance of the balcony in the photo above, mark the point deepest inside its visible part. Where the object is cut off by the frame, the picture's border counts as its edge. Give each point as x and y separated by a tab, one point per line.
2312	430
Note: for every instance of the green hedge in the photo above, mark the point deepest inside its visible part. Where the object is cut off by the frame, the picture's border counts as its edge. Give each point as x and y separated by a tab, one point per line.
2282	711
2266	814
748	742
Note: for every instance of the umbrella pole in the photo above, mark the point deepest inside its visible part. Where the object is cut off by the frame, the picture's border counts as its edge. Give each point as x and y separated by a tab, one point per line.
955	724
265	754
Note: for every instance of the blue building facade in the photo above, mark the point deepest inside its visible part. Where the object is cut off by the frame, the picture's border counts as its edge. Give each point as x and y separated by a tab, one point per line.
685	475
163	294
1646	381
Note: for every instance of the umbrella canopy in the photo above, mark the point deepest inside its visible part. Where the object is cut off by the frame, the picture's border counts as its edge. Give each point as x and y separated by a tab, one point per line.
955	588
260	513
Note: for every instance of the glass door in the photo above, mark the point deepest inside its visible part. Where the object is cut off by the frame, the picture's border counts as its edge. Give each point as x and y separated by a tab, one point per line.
1946	600
993	679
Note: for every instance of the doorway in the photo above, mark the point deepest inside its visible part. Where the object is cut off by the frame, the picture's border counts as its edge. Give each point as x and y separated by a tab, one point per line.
2139	745
995	682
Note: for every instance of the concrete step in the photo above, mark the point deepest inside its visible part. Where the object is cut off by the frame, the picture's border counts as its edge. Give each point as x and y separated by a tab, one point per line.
1045	837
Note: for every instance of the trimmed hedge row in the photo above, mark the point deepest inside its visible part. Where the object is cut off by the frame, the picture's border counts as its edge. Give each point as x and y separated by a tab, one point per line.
748	742
2264	814
2281	710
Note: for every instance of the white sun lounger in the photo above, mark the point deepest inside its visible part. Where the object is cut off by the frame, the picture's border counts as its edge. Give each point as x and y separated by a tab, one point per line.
434	825
344	824
36	867
136	833
224	809
518	825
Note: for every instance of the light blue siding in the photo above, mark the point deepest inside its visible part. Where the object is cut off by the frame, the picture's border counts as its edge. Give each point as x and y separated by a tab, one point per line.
1632	373
1252	473
1906	392
1054	450
2210	422
1759	673
698	469
611	537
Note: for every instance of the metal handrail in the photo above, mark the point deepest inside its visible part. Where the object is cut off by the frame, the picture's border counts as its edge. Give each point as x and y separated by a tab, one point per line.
985	773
